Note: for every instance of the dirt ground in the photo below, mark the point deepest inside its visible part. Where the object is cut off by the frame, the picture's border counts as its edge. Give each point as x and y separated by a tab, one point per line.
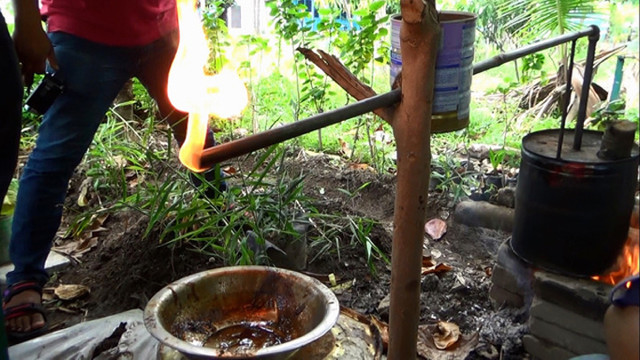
125	270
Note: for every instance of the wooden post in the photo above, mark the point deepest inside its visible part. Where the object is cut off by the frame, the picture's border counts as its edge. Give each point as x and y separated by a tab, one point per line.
411	123
419	41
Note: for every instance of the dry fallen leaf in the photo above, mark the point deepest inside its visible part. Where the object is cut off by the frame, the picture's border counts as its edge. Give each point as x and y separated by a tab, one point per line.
383	328
344	147
438	269
230	170
359	166
427	262
84	189
70	291
435	228
447	334
488	270
86	245
120	161
459	350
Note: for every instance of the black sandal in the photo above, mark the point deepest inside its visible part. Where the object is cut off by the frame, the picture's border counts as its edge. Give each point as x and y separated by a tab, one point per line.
26	309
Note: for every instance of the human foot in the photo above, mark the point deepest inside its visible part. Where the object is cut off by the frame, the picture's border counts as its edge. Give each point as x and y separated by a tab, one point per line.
23	312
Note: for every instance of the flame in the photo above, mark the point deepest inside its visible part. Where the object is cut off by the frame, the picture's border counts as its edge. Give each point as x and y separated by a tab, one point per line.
627	264
192	89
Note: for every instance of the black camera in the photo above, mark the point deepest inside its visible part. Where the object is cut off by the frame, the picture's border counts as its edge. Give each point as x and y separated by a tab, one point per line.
45	93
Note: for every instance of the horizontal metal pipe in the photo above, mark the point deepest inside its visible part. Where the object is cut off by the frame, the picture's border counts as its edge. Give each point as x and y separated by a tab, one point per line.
533	48
225	151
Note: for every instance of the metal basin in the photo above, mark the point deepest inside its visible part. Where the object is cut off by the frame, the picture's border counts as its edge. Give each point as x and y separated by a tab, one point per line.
243	312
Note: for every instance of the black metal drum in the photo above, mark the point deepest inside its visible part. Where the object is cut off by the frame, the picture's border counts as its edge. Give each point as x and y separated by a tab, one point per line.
572	213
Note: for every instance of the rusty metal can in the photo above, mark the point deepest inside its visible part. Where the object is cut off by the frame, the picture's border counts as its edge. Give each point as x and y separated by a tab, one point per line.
454	68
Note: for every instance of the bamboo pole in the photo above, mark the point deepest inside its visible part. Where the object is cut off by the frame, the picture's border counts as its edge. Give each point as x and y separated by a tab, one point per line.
419	37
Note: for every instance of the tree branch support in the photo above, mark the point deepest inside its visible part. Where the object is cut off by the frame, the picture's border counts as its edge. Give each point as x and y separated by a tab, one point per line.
411	123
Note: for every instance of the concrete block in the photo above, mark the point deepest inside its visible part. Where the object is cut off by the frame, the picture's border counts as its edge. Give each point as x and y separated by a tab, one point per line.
566	319
501	297
582	296
564	338
55	262
541	350
506	280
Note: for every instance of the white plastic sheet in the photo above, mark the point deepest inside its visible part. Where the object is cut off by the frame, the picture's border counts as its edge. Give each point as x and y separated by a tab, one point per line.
79	341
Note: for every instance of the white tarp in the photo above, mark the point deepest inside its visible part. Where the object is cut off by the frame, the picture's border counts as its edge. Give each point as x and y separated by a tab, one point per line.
79	341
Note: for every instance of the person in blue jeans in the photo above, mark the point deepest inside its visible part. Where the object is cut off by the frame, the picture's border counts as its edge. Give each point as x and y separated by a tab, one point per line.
94	48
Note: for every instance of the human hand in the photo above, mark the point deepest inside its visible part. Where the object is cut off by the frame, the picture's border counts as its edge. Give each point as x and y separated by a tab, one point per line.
32	45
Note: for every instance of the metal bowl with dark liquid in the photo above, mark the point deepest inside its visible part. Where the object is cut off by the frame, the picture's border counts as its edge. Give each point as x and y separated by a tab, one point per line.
242	312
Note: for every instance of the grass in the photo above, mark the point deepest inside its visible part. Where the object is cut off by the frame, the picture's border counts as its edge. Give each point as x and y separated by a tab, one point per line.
131	165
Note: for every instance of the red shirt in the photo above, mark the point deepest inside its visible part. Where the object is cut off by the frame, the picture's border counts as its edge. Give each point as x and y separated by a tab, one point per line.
112	22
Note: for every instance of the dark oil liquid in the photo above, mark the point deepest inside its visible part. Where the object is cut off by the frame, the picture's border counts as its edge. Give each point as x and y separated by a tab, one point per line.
246	337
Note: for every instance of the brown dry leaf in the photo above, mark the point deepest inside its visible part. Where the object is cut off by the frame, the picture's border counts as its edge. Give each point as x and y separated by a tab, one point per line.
85	245
48	293
438	269
230	170
435	228
84	189
459	350
427	262
355	315
359	166
70	291
67	248
447	334
133	183
120	161
344	148
488	270
383	328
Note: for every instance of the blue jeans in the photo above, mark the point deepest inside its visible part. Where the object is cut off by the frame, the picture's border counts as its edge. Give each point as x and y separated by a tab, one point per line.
93	75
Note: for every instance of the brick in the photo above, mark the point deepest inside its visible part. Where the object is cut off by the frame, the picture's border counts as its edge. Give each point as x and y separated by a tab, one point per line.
566	319
501	297
541	350
583	296
507	280
564	338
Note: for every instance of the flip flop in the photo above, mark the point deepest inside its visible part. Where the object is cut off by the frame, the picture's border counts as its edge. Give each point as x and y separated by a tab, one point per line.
26	309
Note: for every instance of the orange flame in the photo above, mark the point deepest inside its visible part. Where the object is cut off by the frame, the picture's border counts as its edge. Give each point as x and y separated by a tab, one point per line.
627	264
192	89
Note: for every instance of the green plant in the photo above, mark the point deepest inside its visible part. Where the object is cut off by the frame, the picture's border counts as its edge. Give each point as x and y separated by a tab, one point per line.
9	201
539	19
496	157
532	66
611	111
452	176
217	34
332	232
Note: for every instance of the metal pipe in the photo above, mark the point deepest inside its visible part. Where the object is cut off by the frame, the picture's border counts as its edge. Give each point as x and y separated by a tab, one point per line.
586	87
533	48
216	154
567	97
225	151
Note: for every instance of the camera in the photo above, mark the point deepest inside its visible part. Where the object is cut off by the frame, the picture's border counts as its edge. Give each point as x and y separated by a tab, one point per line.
45	93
